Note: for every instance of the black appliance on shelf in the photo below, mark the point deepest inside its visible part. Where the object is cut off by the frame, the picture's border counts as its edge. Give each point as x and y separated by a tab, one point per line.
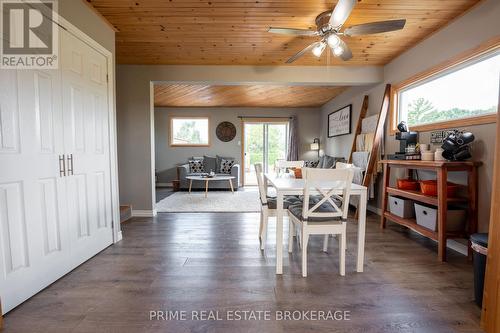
456	146
407	144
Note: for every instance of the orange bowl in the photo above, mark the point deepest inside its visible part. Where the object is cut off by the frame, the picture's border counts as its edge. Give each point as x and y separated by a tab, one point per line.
407	184
429	187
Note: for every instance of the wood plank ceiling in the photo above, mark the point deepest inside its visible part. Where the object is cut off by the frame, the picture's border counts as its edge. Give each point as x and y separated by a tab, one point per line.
180	95
229	32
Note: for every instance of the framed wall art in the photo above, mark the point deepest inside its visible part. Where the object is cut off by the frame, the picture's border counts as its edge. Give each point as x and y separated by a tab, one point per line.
339	122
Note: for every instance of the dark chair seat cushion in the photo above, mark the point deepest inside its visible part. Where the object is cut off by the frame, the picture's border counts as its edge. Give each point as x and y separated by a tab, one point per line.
326	207
312	198
289	200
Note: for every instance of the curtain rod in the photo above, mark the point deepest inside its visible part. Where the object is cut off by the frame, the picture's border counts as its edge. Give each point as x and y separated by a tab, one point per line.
241	117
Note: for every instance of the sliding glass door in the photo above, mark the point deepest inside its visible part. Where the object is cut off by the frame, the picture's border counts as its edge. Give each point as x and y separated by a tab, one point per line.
264	142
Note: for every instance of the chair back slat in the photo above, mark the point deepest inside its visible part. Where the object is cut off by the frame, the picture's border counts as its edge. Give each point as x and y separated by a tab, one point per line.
260	182
314	184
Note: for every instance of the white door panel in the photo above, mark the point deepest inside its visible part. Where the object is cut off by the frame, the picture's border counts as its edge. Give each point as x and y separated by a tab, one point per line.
13	227
51	221
87	142
44	111
9	113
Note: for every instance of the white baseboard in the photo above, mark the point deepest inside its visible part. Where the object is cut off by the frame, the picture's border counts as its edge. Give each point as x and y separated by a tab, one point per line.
119	237
144	213
450	243
374	210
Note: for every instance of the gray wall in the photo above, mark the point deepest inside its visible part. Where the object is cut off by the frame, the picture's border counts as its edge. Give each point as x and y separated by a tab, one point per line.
477	26
168	157
79	14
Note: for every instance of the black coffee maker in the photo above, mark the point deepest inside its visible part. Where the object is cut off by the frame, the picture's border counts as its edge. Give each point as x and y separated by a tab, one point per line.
407	144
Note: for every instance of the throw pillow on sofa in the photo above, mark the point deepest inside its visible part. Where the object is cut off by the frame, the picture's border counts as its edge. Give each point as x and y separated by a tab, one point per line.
226	165
196	166
328	162
209	163
311	164
320	162
219	161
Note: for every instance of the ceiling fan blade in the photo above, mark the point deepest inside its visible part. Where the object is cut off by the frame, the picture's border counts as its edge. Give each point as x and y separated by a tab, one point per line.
375	27
341	12
301	53
346	53
295	32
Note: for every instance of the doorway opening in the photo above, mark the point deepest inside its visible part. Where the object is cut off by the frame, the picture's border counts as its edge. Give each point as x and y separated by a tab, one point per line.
264	141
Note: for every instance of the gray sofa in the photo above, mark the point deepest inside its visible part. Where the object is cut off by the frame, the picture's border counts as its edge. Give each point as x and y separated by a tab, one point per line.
209	163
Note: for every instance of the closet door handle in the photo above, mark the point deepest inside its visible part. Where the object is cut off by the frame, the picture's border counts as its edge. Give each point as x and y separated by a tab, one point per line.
62	166
70	165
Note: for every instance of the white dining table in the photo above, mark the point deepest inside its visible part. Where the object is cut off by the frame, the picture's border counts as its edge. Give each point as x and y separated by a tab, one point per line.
294	186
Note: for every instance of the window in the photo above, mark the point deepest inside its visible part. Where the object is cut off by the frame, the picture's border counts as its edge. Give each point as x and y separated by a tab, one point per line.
189	131
464	93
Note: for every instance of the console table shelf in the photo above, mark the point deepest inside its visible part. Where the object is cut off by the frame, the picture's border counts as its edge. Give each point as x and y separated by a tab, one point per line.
441	201
418	196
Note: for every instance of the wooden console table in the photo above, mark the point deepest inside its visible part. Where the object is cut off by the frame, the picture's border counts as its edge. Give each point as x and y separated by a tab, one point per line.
441	201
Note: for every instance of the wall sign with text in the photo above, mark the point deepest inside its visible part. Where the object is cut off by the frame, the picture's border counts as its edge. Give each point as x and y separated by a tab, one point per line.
339	122
437	137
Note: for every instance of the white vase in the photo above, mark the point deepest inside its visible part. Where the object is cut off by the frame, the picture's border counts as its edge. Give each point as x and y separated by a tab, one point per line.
424	147
438	155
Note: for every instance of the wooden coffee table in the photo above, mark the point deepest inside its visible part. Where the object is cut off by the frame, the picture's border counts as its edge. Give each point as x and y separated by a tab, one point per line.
210	179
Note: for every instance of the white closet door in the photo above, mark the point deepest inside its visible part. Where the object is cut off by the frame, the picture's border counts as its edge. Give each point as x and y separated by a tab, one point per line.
34	235
86	141
51	222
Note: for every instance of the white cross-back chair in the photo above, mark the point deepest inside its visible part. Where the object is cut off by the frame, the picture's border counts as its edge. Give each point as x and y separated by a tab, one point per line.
327	215
265	212
282	165
357	179
268	205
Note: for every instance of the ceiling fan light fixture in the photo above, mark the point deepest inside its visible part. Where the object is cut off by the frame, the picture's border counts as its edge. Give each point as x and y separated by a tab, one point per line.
318	49
338	50
329	31
333	40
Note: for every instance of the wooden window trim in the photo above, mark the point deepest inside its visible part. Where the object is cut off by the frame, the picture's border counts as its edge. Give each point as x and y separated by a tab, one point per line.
486	47
171	132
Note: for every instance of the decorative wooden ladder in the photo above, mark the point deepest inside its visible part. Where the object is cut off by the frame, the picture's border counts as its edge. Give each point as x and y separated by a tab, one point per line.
379	133
362	115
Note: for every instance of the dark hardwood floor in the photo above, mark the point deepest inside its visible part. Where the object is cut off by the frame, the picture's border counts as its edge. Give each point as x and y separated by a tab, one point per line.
196	262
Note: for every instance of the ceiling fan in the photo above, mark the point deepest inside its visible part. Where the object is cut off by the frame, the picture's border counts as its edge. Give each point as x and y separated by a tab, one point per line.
328	29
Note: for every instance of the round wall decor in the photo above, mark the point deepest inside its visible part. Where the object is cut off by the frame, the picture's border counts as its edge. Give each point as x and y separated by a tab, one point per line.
225	131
